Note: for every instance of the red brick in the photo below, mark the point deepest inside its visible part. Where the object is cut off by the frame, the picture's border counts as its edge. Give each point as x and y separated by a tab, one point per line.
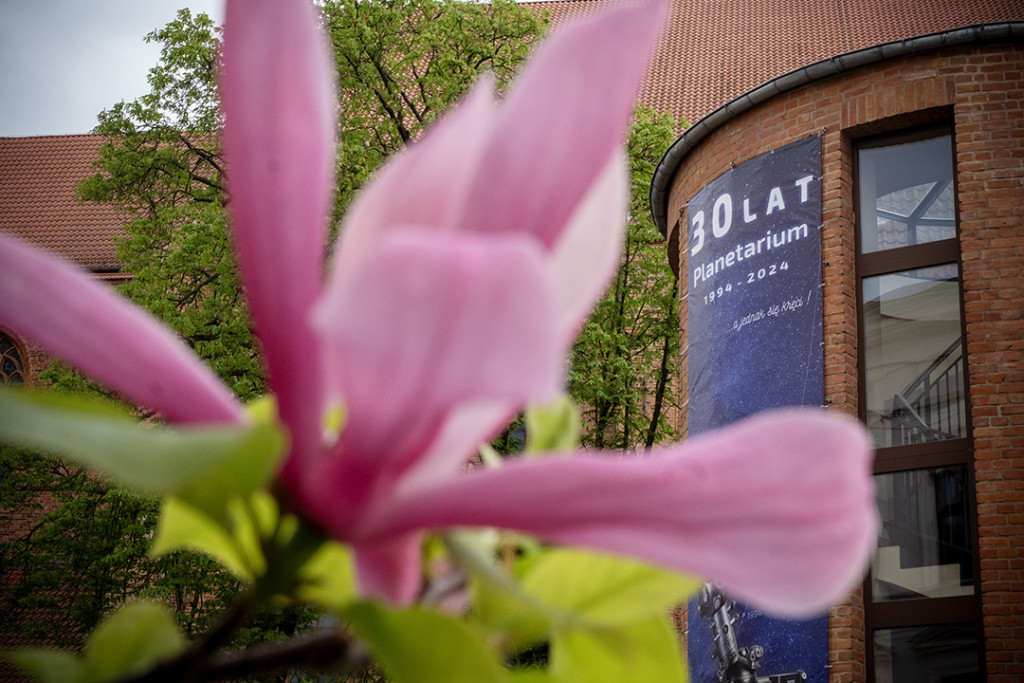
983	86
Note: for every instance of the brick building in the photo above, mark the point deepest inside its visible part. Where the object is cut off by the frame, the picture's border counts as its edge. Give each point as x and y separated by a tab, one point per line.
39	178
920	112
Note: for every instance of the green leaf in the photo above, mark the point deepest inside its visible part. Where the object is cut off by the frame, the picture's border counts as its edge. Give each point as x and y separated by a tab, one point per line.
328	578
554	427
181	526
200	464
134	638
605	589
48	666
417	645
514	618
639	651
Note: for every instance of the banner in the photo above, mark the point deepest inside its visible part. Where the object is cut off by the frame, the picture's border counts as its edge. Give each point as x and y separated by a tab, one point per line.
754	327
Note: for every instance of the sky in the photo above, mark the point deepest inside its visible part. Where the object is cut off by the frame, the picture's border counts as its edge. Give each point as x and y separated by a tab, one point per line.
64	61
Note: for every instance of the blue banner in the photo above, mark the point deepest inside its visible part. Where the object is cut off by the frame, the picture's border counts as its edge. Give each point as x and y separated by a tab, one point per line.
754	327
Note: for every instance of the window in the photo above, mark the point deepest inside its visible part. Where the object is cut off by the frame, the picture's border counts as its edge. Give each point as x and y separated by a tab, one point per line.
12	367
906	192
921	599
913	356
926	654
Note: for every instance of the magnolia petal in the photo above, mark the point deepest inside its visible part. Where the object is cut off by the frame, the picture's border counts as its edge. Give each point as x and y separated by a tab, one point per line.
430	321
390	569
779	510
464	430
86	323
548	152
279	107
425	185
587	255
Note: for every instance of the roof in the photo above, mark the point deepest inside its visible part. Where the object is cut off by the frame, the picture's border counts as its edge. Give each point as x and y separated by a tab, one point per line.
715	50
976	34
39	177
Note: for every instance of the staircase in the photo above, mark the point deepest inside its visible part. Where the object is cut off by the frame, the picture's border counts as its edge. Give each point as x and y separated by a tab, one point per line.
931	408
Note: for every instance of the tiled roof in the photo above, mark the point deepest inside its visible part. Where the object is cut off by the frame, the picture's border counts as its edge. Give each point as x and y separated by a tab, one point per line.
39	177
716	50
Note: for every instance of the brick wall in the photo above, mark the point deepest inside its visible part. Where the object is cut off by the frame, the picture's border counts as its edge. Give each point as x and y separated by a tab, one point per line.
990	165
981	91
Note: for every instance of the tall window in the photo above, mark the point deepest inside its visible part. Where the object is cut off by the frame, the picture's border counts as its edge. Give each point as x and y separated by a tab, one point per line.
12	367
921	598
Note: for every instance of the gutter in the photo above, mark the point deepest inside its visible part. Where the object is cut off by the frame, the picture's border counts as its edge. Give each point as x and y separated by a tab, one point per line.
1009	31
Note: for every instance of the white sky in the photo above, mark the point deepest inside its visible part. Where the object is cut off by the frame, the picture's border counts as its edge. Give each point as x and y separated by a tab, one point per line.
64	61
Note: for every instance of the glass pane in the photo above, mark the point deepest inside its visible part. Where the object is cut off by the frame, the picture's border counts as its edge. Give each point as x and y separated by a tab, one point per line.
924	546
945	653
906	194
913	356
11	366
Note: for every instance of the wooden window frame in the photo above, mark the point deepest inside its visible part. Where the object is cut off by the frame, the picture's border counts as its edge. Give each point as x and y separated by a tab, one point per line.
921	612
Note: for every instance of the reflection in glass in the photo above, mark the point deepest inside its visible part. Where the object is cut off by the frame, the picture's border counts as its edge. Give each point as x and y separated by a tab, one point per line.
924	546
906	194
913	356
944	653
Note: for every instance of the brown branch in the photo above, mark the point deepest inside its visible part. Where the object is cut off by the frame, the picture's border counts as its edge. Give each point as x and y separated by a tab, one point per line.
329	650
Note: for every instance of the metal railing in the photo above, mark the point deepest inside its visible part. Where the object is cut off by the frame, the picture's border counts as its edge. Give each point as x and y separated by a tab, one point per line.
932	407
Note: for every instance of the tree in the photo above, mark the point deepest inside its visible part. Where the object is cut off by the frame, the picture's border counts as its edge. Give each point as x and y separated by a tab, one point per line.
162	164
627	354
399	65
87	552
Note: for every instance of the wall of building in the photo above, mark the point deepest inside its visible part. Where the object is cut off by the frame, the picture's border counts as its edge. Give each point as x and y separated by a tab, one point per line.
980	90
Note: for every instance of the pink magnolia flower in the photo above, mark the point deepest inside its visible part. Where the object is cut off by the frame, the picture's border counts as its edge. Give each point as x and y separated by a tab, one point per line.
462	274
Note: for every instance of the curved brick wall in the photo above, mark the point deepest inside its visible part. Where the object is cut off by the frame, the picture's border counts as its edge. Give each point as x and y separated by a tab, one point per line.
980	90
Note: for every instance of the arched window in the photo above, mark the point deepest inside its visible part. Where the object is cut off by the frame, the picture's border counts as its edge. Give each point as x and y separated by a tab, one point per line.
12	365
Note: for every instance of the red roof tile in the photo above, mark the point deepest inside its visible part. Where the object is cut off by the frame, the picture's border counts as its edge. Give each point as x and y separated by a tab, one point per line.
39	177
716	50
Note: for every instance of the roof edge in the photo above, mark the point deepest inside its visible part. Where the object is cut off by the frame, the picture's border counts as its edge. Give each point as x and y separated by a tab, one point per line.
669	164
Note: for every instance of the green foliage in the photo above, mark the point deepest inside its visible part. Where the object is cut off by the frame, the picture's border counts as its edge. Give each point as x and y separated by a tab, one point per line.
235	543
604	617
87	553
601	590
590	617
48	666
555	590
401	64
134	638
424	646
204	465
163	166
625	357
328	578
554	427
636	651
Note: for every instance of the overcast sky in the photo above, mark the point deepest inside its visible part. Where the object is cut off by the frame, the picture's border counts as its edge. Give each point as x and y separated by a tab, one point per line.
64	61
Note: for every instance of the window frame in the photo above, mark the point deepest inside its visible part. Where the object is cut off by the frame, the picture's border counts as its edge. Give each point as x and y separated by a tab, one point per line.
951	452
22	352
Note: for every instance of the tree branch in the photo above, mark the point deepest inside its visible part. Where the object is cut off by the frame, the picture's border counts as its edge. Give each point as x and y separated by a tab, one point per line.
323	651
